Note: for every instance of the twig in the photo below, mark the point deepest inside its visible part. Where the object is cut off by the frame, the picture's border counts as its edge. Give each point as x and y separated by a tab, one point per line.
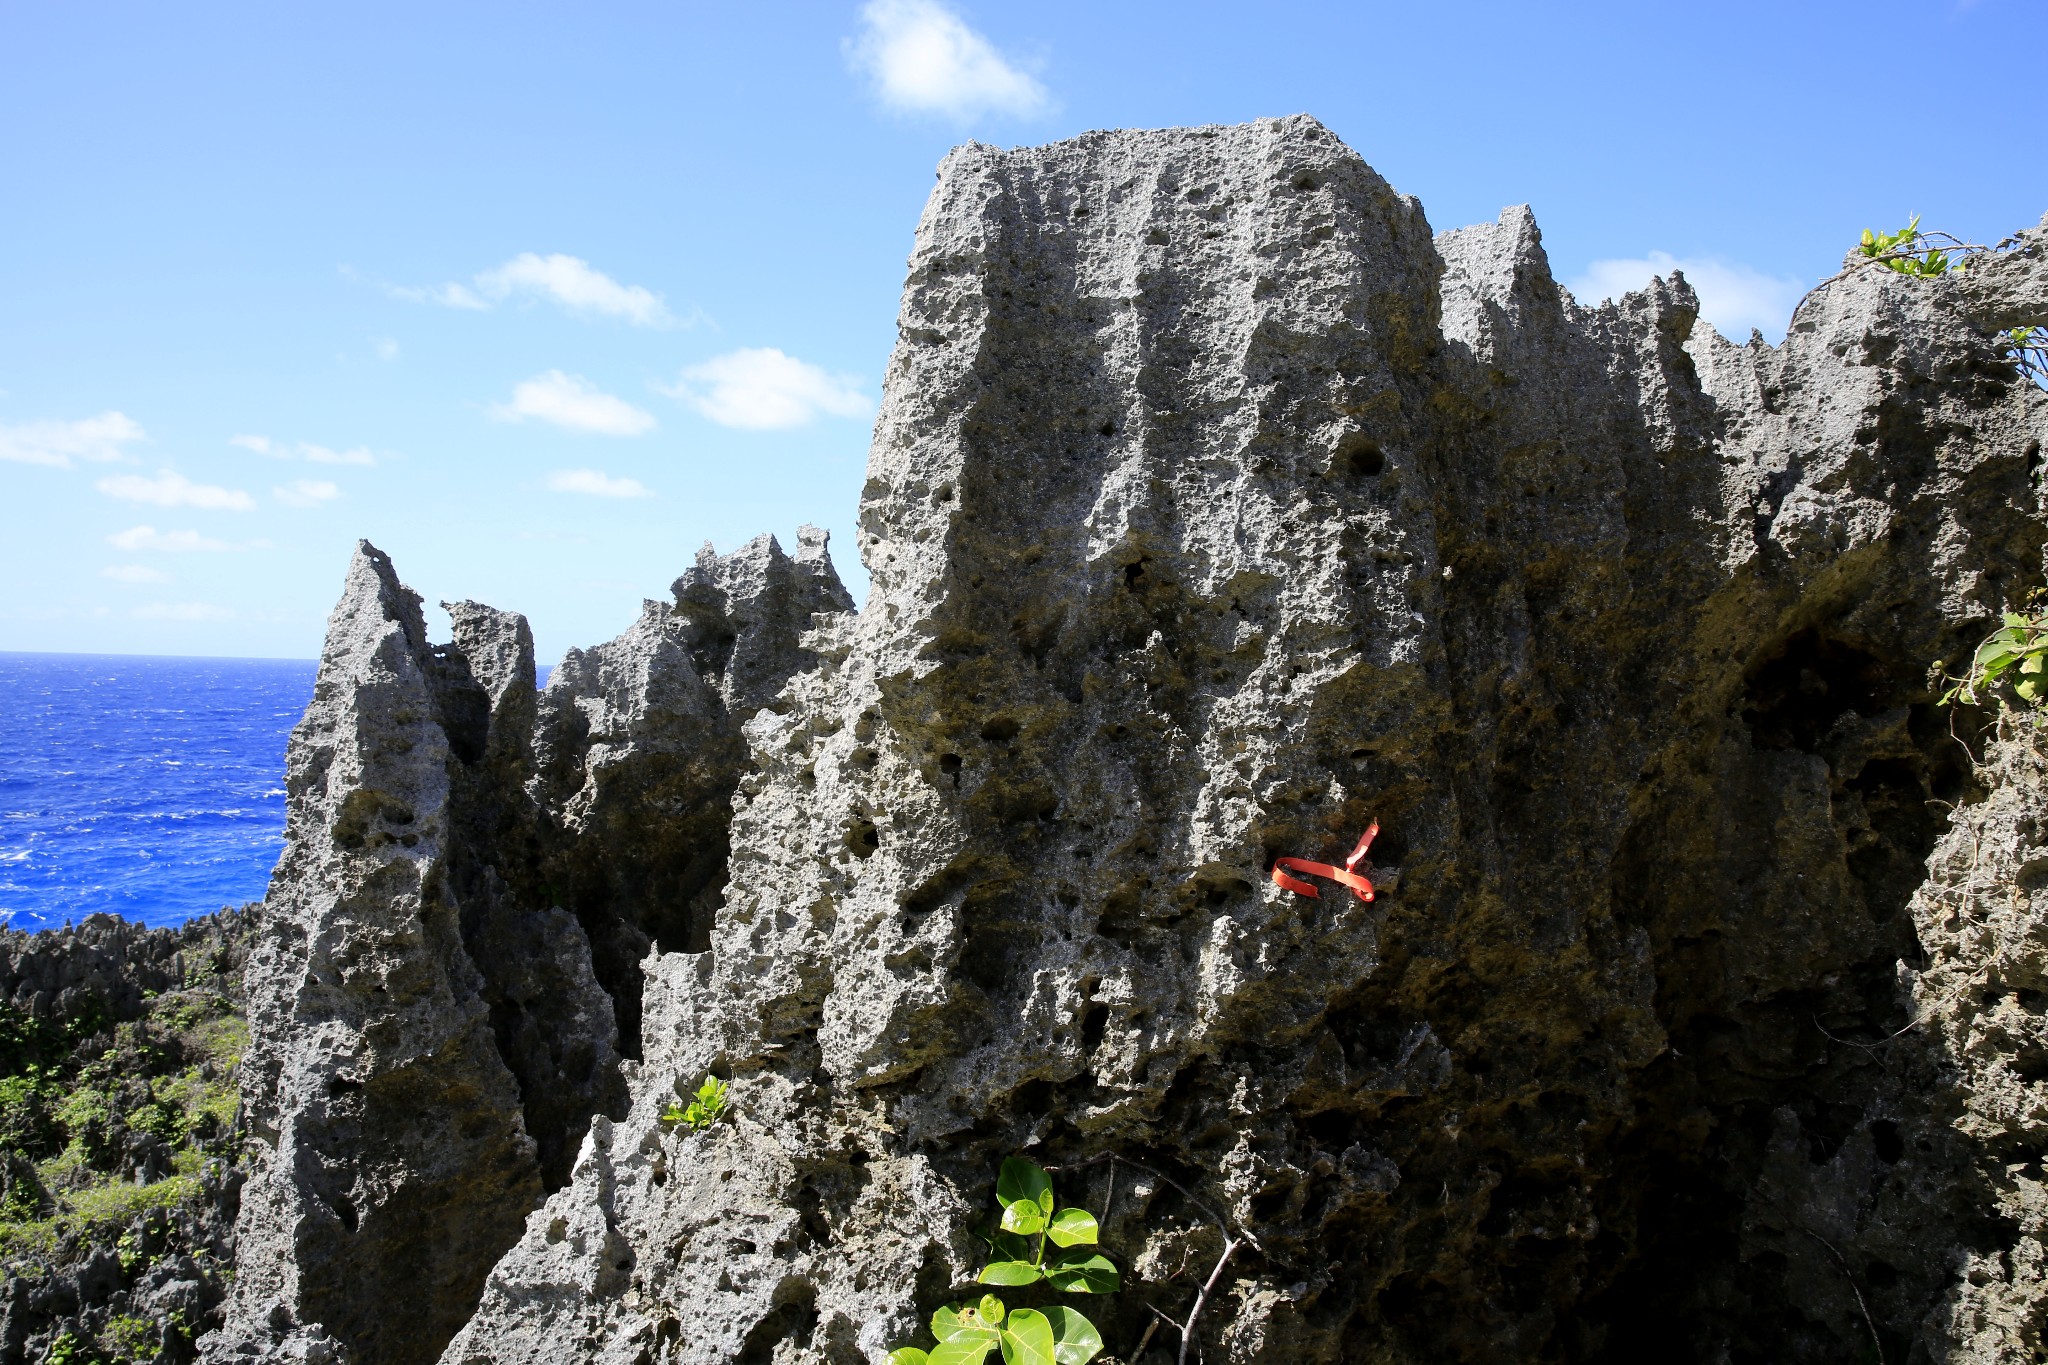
1231	1242
1876	1343
1187	1331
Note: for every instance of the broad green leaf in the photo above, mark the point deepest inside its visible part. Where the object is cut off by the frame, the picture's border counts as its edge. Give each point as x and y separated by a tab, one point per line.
908	1355
1021	1180
963	1350
1009	1272
1008	1246
1072	1227
1024	1217
1027	1339
948	1323
1078	1272
991	1310
1075	1340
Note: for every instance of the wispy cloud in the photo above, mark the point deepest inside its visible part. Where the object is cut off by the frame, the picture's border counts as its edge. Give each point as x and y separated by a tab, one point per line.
569	281
923	58
304	450
570	400
597	484
385	347
58	444
762	389
447	295
134	573
182	611
306	492
172	489
149	538
1733	297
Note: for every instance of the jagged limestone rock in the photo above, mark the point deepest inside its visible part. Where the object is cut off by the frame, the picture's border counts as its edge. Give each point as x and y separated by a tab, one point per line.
436	1034
1215	508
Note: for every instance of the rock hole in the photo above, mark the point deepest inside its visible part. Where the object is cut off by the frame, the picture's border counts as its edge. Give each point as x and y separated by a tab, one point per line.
1107	428
862	837
1306	181
345	1210
1886	1142
1094	1022
1000	729
1134	576
1361	457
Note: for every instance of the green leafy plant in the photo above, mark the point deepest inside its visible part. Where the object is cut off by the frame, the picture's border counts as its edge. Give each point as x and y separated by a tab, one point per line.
1911	251
1025	1192
2019	649
706	1109
1054	1335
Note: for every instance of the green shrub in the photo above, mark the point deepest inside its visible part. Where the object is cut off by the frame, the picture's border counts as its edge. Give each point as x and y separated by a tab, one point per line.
1055	1335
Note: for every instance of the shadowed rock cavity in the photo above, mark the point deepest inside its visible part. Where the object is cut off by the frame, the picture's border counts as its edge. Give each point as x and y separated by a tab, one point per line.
1216	506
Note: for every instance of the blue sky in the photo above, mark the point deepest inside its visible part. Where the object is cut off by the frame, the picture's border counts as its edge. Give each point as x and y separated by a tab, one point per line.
540	298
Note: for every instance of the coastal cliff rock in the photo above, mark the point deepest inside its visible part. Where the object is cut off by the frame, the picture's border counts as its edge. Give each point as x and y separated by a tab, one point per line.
1216	509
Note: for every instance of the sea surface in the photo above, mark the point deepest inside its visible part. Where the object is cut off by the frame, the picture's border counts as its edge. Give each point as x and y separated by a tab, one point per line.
149	787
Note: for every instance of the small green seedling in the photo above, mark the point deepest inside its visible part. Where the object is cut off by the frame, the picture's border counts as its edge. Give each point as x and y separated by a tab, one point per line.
2019	648
706	1109
1026	1336
1906	251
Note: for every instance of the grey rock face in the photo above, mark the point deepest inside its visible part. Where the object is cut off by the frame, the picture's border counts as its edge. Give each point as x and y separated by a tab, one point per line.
434	1033
1217	507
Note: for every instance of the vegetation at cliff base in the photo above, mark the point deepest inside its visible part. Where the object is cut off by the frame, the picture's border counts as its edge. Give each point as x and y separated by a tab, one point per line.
103	1123
1049	1335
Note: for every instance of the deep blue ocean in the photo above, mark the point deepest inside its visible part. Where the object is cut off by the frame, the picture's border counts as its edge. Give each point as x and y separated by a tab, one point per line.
149	787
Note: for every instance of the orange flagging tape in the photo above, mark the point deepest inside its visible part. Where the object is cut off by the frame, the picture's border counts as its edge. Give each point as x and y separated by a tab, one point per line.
1346	874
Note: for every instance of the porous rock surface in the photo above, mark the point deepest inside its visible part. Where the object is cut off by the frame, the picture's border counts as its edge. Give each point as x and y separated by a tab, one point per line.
1217	507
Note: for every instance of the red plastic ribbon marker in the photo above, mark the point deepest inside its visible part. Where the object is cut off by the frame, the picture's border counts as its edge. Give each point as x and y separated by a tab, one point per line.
1346	874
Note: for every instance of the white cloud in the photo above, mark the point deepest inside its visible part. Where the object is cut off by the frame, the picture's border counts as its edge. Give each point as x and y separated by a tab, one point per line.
171	489
570	400
306	492
134	573
447	295
924	58
597	484
59	443
386	347
1733	297
571	282
182	611
149	538
762	389
304	450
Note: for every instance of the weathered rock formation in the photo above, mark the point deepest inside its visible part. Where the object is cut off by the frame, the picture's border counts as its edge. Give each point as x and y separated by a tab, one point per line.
1215	508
